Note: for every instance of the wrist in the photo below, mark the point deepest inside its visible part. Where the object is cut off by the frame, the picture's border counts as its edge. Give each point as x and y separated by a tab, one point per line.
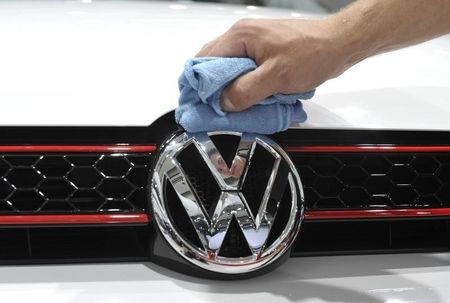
362	30
348	42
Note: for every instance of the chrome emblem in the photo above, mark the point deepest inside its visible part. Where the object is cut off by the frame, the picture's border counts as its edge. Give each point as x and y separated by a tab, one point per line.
211	227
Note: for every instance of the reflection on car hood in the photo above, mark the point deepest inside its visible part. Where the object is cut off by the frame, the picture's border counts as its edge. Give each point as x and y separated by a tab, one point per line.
117	63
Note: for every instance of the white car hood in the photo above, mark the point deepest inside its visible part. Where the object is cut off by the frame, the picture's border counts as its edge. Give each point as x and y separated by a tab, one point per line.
117	63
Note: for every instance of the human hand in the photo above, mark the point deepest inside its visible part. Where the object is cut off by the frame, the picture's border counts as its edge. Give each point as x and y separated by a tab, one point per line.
293	56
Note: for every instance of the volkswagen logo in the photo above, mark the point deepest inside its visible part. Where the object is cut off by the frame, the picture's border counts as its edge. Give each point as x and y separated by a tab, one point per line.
229	209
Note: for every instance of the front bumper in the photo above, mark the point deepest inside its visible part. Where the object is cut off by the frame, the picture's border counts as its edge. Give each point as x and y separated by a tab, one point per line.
78	194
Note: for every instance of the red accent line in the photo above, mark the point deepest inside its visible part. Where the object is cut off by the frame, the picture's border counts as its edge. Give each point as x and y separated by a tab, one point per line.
136	218
366	148
119	148
142	218
376	213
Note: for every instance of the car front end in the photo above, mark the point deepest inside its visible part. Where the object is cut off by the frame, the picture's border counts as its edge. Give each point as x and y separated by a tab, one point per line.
88	91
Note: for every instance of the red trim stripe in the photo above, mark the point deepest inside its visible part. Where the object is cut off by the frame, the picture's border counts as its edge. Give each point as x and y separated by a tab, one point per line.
136	218
143	218
116	148
376	213
366	148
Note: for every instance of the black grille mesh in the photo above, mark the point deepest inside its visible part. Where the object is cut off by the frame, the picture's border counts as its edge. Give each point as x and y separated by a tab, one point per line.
55	183
414	235
353	180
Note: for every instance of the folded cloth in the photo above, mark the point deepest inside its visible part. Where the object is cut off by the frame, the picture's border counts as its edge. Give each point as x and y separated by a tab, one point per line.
201	85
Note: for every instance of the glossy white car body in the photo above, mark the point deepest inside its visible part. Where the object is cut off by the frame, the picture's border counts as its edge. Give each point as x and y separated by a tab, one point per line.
116	63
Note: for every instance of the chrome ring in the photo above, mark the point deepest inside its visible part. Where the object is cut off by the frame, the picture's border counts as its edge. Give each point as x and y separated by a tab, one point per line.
211	230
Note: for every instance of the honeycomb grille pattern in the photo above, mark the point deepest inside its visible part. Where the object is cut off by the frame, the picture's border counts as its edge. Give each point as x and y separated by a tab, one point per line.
355	181
55	183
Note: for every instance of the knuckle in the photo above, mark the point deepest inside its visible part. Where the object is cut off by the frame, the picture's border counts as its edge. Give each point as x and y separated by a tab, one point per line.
241	24
244	26
281	77
205	49
205	46
239	97
239	105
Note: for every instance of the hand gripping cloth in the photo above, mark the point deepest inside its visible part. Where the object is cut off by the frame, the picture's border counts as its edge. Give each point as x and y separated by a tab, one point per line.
201	85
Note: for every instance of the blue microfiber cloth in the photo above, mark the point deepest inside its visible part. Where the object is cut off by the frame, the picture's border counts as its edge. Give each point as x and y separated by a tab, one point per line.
201	85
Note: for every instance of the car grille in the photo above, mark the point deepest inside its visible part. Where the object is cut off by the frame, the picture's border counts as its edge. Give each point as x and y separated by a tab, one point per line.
102	182
115	182
74	244
365	181
73	183
374	181
372	236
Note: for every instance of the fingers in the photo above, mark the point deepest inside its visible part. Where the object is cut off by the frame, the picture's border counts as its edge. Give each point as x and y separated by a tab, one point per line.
206	48
230	44
248	90
224	46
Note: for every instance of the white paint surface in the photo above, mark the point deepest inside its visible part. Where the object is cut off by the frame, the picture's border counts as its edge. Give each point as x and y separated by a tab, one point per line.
117	63
397	278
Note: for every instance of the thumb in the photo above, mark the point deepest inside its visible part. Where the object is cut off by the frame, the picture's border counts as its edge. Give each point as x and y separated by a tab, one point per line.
248	90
